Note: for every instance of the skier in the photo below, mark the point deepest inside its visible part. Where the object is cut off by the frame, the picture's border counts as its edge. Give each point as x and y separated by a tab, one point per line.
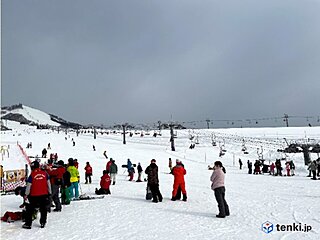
139	168
153	181
74	180
104	184
217	179
94	148
88	173
113	171
240	163
37	191
49	146
178	172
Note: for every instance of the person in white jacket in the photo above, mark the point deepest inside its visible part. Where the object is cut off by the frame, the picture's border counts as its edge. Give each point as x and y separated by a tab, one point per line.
217	179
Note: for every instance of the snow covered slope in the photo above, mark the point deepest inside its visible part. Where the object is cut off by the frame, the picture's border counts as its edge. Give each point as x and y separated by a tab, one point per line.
125	214
32	114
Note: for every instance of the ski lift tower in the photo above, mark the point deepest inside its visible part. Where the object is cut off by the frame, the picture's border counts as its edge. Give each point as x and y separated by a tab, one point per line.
172	137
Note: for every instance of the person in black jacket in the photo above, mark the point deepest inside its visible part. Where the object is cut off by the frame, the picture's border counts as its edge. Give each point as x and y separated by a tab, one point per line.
139	168
153	181
65	194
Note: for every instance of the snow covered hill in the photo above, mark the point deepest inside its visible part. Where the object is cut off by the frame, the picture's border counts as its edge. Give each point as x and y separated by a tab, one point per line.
125	214
29	115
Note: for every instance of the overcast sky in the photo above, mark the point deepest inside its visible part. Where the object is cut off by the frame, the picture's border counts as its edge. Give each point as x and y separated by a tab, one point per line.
115	61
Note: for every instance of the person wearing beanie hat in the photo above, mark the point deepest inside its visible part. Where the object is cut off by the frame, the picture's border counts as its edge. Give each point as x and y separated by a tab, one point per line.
178	172
153	181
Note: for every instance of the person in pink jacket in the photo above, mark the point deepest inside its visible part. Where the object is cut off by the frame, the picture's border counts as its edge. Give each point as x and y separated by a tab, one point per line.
217	179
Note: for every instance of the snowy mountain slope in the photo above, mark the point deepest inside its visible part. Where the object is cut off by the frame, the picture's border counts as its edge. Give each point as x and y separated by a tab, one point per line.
125	214
28	115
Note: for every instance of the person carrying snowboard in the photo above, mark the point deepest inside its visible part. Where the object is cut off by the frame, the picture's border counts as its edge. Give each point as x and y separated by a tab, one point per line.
178	172
153	181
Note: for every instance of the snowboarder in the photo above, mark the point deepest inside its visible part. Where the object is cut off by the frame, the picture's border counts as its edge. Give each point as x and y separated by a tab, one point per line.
104	184
178	172
153	181
113	171
217	179
240	163
37	191
88	173
139	168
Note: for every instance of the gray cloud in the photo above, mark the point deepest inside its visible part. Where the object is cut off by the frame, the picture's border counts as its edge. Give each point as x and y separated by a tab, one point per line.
141	61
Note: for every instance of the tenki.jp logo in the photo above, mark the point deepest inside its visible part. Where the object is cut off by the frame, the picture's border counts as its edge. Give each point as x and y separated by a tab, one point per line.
267	227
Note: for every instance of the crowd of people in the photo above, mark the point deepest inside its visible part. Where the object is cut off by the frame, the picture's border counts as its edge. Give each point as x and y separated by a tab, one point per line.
55	180
277	169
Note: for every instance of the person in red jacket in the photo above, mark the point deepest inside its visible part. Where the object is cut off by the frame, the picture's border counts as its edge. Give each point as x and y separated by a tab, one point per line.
88	173
56	180
37	192
109	164
178	172
75	162
104	184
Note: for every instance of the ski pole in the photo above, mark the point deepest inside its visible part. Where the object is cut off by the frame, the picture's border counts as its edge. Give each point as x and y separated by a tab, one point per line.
80	188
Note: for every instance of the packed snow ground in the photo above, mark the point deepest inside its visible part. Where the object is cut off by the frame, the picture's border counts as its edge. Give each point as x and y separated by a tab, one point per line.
125	214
